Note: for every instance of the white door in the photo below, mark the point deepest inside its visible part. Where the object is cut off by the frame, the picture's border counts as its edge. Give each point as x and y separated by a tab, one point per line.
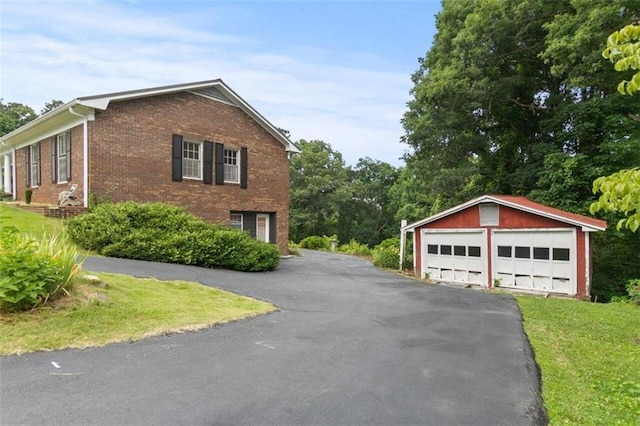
543	260
453	255
262	227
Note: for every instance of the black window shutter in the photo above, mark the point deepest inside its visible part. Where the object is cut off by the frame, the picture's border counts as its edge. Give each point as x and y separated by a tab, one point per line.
176	158
27	166
244	161
39	180
219	164
69	156
207	165
54	160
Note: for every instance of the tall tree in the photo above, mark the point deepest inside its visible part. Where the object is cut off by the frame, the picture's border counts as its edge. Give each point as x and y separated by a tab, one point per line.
318	177
51	105
14	115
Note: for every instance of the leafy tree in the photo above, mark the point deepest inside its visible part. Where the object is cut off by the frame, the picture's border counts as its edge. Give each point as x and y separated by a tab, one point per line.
50	106
14	115
623	50
318	179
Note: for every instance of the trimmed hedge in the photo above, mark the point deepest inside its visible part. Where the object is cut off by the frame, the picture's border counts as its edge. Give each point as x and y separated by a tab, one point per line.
165	233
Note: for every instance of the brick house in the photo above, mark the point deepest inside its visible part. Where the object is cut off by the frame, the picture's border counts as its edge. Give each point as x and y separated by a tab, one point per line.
198	145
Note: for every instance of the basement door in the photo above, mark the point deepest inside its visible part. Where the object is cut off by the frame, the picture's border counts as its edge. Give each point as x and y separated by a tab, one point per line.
262	227
455	255
540	260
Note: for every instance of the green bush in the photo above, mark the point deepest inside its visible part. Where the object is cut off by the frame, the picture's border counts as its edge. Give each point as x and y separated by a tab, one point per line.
386	257
33	271
315	242
294	249
355	248
165	233
633	289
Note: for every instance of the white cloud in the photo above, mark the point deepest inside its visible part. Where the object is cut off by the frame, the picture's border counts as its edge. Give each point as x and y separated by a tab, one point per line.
48	53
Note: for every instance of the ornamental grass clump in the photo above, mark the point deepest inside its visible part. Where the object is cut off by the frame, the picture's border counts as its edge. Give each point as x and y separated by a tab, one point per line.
34	271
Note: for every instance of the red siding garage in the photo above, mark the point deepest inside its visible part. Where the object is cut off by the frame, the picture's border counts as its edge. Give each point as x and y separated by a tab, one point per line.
506	241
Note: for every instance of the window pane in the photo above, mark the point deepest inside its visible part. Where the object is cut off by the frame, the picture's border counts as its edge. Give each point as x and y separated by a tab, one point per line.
460	250
432	248
523	252
560	254
235	221
191	162
231	172
474	251
541	253
504	251
445	249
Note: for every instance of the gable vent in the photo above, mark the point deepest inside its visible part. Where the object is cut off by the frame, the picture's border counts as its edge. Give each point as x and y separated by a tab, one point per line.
212	92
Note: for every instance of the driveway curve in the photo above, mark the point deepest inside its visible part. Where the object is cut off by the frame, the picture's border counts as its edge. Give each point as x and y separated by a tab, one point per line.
352	345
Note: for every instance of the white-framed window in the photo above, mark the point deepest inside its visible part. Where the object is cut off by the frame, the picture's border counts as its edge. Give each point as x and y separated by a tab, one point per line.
192	160
236	221
62	158
231	160
35	164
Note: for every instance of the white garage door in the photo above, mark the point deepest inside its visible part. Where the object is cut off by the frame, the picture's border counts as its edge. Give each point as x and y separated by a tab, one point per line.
543	260
455	256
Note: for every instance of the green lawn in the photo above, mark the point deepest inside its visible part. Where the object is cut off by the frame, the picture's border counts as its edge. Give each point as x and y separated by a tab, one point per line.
589	355
122	309
29	222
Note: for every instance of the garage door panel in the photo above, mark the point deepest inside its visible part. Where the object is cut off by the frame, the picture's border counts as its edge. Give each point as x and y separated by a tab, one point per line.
541	260
455	256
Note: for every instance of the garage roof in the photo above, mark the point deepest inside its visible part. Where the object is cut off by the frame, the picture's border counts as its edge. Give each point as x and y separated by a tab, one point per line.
588	224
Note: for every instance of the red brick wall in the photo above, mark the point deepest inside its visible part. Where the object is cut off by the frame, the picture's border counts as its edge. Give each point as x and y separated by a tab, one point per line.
130	157
47	192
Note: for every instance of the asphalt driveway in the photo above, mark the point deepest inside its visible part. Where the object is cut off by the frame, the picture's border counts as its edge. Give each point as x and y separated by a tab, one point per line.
352	345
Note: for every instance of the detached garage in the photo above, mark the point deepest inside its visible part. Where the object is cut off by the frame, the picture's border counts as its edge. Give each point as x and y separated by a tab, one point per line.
506	241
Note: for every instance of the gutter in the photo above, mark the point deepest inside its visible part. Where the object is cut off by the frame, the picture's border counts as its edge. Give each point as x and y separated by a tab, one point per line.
85	157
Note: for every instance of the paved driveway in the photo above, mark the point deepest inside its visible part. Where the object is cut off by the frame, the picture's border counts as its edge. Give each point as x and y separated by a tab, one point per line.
352	345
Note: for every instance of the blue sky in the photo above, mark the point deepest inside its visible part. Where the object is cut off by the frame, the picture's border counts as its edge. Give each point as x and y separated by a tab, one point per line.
333	70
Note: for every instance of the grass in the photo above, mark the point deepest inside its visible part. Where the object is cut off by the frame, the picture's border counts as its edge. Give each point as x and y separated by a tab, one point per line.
29	222
589	355
122	309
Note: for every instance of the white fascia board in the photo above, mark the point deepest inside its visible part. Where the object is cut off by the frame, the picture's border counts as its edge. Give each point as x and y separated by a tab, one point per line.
50	132
289	146
448	212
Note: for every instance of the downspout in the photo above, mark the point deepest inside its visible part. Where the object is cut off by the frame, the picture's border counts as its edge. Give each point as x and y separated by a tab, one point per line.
85	157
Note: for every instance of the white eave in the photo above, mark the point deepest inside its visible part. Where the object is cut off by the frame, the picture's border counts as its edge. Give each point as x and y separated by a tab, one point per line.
53	121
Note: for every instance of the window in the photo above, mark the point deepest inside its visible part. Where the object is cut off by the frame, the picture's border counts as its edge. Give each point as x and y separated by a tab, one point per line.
35	164
474	251
504	251
523	252
561	254
62	158
432	248
192	160
489	214
445	249
231	166
235	220
460	250
541	253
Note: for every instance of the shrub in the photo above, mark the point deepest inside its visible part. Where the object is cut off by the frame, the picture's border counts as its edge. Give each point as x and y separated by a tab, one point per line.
27	196
165	233
633	289
355	248
315	242
294	249
386	257
32	271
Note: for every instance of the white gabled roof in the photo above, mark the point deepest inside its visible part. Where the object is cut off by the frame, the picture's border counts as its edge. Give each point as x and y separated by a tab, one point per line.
587	224
50	123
